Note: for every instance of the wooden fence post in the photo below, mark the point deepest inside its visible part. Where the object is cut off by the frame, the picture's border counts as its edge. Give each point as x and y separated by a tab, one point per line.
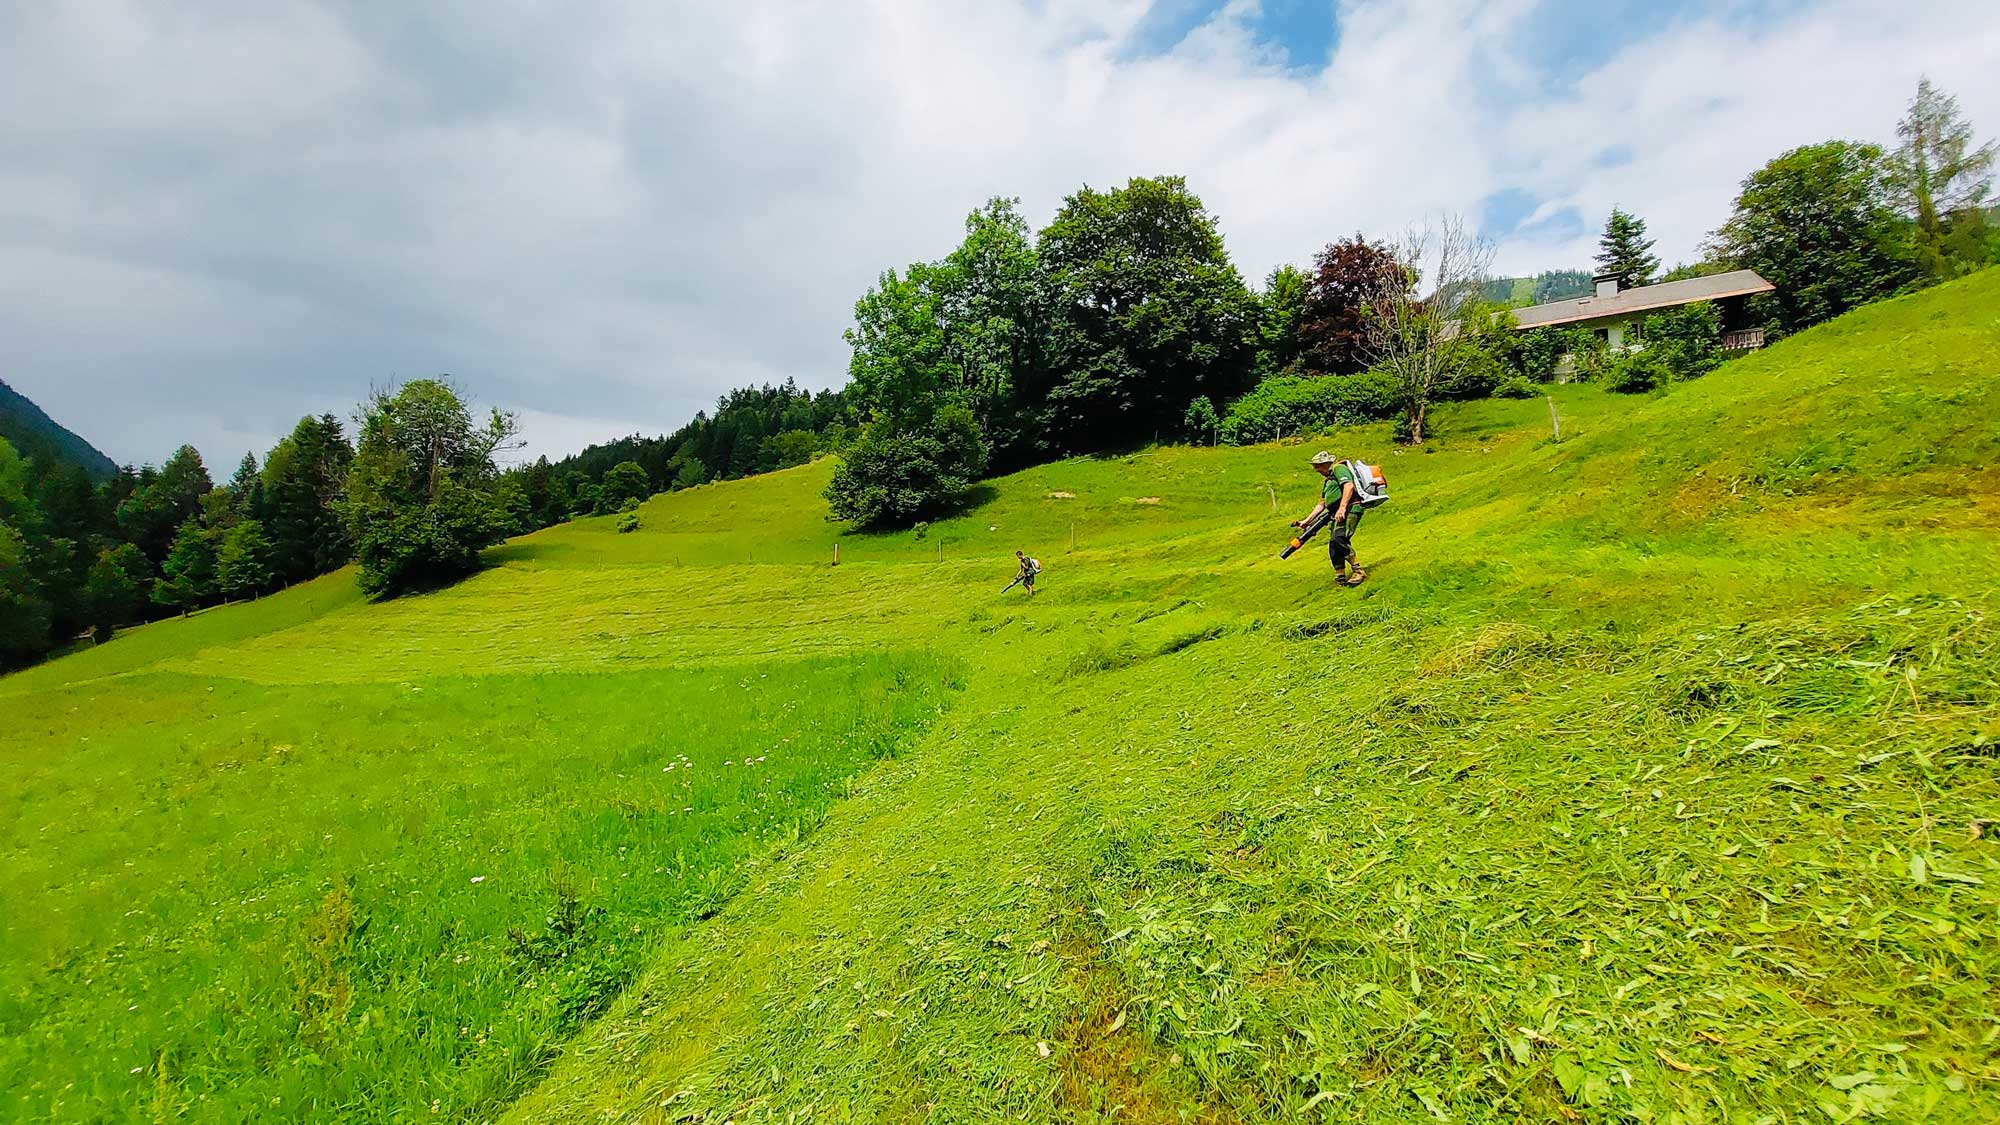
1555	423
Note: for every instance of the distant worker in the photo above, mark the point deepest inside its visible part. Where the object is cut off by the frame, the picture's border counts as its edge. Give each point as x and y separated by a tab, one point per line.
1029	568
1344	497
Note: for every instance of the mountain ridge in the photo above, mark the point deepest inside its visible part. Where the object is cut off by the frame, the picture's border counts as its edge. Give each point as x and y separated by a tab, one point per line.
30	430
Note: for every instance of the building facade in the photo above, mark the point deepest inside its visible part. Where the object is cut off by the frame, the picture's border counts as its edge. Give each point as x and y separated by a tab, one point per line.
1614	313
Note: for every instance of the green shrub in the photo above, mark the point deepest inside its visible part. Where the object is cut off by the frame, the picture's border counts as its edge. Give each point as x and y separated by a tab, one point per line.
1542	350
1477	372
890	478
1200	420
1295	403
421	546
628	522
1637	371
1518	386
1687	340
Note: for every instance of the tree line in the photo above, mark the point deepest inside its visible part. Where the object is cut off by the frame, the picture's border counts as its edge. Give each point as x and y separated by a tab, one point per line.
413	501
1123	321
753	430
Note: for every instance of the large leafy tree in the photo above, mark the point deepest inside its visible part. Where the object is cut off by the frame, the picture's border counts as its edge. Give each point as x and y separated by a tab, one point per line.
303	484
1623	249
900	367
1334	329
1941	178
627	480
422	497
1147	311
921	448
994	308
1820	223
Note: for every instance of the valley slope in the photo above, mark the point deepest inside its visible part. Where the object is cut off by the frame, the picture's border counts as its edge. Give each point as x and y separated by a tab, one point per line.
1647	779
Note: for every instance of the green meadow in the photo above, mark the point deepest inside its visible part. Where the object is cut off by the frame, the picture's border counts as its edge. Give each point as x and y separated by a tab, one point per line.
1651	777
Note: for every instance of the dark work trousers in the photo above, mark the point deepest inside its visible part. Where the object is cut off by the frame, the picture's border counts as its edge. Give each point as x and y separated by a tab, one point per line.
1340	544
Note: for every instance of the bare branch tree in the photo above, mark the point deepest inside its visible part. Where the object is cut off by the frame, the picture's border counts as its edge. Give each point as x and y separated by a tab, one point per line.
1411	335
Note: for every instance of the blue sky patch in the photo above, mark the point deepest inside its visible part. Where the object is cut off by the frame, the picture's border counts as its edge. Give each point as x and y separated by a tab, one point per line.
1301	32
1502	211
1168	22
1304	30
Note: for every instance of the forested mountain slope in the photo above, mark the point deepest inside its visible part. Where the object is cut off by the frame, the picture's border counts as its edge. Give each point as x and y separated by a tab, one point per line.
31	431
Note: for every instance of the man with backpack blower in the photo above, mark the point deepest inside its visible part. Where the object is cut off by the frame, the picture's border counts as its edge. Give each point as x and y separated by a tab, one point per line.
1029	568
1350	488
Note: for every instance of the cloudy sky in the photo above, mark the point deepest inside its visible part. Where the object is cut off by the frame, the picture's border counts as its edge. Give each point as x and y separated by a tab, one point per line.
215	217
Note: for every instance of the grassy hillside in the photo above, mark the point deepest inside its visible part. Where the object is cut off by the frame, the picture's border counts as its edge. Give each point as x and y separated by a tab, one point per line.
1645	780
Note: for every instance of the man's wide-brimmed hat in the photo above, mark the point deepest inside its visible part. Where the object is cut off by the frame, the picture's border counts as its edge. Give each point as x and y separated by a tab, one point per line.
1323	458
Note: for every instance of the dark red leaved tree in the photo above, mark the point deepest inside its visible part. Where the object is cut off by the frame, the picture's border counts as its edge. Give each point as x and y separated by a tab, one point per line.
1333	328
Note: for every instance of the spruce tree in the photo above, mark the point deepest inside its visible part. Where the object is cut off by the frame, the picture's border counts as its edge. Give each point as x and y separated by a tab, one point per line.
187	577
1626	251
243	561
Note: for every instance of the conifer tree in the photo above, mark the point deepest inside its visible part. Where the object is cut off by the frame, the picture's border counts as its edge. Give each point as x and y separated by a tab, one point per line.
187	577
1626	251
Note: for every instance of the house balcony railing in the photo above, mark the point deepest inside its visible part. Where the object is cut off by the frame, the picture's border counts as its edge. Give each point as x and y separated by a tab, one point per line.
1743	340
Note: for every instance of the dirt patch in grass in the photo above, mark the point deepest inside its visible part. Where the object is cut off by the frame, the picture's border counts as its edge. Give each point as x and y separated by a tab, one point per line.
1111	1071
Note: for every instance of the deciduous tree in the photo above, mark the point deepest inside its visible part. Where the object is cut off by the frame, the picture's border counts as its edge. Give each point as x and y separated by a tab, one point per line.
1819	223
1147	312
1414	339
891	477
421	495
1333	328
627	480
1282	311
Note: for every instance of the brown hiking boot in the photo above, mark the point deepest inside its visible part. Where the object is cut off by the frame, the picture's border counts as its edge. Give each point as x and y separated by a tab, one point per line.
1357	578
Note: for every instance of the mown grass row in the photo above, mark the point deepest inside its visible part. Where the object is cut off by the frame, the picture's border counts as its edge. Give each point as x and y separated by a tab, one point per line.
1620	793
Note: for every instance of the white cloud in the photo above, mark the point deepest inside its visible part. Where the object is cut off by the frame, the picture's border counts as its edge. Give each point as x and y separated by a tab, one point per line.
213	220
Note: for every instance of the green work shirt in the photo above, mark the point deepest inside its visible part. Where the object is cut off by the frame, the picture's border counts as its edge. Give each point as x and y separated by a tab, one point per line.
1341	475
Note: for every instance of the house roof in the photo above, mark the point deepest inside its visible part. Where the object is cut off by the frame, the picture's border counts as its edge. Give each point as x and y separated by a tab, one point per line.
1737	283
